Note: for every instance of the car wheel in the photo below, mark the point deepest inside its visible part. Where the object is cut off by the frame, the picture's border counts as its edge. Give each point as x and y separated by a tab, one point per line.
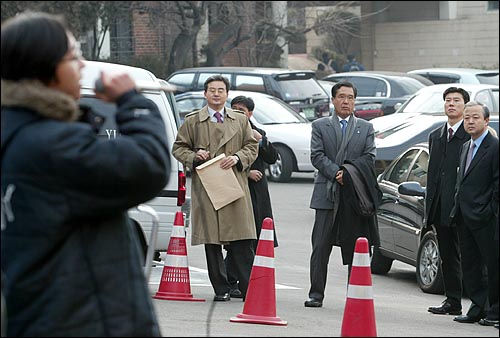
380	264
281	170
429	273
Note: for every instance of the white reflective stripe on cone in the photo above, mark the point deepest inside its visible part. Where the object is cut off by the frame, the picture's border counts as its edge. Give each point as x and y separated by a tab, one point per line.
266	235
360	259
176	261
359	291
265	262
178	231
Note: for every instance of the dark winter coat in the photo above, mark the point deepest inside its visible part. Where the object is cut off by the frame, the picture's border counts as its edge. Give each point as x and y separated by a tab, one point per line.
442	171
259	191
69	253
355	222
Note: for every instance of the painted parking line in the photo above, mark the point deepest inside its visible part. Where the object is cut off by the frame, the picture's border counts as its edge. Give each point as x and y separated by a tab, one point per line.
199	277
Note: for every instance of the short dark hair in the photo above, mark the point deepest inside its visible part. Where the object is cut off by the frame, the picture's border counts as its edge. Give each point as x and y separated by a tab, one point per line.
217	78
461	91
33	43
486	111
340	84
245	101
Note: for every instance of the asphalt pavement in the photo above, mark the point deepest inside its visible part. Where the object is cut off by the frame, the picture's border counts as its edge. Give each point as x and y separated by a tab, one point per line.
400	306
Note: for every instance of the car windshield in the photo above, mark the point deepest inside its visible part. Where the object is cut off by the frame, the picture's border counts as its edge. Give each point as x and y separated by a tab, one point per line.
273	111
423	103
300	89
402	86
488	78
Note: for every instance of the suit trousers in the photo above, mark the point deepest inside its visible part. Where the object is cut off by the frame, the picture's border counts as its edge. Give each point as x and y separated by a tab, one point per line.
449	251
243	254
322	243
478	248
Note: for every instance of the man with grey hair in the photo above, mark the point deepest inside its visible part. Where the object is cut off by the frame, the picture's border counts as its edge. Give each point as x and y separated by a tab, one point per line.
476	214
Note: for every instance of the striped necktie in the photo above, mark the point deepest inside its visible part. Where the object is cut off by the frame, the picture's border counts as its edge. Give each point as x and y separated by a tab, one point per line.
218	116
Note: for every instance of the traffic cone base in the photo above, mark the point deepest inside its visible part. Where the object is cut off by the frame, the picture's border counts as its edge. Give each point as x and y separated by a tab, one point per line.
252	319
359	313
260	300
175	283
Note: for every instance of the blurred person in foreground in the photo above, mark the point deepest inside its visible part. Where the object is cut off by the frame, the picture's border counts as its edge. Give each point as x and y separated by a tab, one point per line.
69	252
205	134
257	183
445	144
346	193
476	213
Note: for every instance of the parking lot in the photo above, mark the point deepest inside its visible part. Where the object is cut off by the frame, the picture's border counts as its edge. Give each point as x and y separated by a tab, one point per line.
400	306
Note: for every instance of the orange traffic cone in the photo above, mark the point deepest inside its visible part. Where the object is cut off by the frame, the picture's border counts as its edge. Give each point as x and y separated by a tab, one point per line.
175	283
359	313
260	301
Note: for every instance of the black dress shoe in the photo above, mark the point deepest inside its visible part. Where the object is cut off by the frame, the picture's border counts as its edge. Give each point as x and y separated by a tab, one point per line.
313	302
445	309
466	319
488	322
222	298
235	293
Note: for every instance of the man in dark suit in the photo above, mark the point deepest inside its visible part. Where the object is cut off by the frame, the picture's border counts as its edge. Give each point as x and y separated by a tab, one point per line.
445	144
475	212
257	183
335	141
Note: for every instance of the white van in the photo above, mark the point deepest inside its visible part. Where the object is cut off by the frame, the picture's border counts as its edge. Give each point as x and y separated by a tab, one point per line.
173	197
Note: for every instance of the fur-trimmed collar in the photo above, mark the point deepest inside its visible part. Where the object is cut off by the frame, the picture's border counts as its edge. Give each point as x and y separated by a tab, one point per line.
34	95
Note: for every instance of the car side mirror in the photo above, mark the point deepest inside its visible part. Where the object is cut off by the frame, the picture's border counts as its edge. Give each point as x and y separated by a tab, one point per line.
411	189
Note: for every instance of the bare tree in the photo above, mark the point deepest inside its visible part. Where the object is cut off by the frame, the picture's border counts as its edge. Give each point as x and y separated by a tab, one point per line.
82	17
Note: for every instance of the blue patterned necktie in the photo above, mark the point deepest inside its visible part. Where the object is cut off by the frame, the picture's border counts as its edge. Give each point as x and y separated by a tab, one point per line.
343	123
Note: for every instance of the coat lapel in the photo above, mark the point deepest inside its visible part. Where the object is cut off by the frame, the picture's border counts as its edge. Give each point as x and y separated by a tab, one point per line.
230	127
443	139
481	151
333	136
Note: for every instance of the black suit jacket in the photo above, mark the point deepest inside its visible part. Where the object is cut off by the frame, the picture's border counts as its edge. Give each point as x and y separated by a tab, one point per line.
476	197
442	173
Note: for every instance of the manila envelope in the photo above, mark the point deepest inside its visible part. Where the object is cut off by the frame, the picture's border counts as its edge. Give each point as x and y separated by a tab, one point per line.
221	185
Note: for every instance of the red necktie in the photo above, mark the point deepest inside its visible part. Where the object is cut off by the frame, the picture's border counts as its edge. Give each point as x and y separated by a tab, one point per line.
450	134
218	116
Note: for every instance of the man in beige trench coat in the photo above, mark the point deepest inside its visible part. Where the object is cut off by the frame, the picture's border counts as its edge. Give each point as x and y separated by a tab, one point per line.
205	134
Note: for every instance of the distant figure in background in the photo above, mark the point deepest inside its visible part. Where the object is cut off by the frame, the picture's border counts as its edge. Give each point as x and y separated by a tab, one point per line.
257	183
321	71
353	65
331	65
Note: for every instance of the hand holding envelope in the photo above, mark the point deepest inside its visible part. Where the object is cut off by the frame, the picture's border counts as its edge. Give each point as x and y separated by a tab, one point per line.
221	185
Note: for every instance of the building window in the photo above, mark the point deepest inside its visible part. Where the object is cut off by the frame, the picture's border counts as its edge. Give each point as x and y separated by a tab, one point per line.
493	5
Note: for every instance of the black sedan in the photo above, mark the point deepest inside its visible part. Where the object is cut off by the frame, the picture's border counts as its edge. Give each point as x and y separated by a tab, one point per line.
403	236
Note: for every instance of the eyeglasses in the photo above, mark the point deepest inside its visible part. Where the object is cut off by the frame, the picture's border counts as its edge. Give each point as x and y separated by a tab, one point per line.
343	97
